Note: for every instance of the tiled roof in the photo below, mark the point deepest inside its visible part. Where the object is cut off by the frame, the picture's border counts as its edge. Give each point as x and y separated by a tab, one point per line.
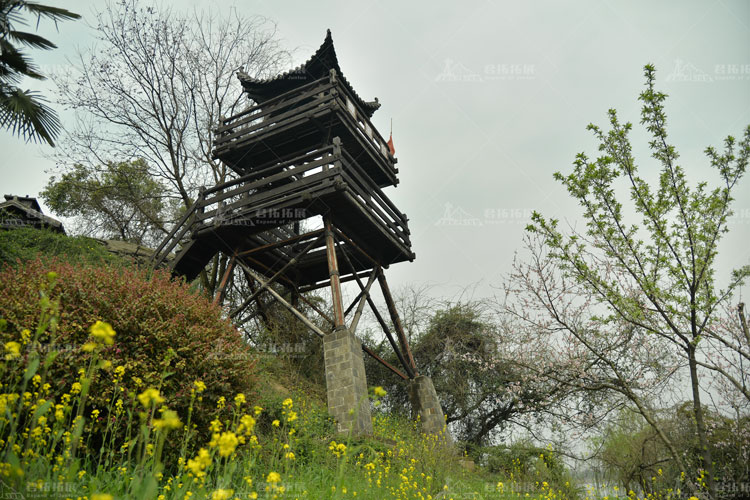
318	66
23	211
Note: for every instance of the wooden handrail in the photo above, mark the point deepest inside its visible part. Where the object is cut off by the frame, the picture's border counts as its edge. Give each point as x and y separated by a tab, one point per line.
267	173
237	130
269	103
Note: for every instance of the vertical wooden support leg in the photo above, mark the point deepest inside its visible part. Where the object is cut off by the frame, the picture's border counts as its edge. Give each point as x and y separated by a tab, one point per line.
219	296
333	271
396	320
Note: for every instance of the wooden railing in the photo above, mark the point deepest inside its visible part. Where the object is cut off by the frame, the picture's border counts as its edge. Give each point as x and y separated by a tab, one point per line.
373	200
291	105
230	202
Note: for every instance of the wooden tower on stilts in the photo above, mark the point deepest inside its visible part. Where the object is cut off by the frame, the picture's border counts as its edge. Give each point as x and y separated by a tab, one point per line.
307	149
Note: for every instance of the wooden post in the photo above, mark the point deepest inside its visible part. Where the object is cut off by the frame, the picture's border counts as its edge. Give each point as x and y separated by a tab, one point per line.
380	319
333	272
219	296
396	320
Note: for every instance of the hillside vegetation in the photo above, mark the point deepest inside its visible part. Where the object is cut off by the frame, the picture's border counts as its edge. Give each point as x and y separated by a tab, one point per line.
118	382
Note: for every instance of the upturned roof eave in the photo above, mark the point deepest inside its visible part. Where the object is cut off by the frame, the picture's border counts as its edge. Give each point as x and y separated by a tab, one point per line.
316	67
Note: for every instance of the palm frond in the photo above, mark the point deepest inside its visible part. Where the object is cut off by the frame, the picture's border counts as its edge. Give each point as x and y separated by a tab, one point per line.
54	13
26	114
31	40
13	61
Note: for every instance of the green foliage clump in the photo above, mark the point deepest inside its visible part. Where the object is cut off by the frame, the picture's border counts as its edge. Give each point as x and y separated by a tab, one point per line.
117	200
633	456
529	466
167	337
25	244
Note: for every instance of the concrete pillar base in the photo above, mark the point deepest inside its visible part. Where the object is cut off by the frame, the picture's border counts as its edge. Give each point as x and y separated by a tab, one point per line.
426	406
346	385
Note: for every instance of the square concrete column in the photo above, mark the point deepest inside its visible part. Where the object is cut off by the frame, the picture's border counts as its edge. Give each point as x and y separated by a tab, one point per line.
346	385
426	405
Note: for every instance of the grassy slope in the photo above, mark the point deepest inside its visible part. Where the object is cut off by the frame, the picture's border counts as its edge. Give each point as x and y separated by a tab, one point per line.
279	443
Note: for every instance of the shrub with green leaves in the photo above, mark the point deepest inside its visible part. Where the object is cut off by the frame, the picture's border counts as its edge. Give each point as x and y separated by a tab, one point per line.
167	336
24	244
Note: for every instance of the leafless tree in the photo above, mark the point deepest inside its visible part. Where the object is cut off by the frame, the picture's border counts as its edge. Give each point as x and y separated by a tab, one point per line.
154	87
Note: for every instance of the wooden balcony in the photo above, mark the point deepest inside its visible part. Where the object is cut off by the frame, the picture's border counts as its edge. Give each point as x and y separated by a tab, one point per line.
302	120
253	216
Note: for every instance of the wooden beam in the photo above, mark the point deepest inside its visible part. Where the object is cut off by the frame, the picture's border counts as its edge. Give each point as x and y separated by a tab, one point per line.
290	263
357	247
395	319
363	300
327	283
309	324
285	242
333	272
219	296
290	284
384	362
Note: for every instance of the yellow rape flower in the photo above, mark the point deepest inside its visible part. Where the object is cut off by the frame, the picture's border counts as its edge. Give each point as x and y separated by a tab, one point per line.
226	442
103	332
273	477
149	396
215	425
198	465
13	349
338	449
169	420
247	424
89	346
379	392
199	386
221	494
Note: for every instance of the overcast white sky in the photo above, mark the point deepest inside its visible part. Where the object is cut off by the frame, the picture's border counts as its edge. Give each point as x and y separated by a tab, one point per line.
489	98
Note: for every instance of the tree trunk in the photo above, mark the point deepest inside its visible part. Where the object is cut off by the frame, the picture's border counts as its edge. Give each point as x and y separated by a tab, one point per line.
700	424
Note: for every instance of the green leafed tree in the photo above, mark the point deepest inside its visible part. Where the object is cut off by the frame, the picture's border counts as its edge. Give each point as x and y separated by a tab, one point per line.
25	112
118	200
654	273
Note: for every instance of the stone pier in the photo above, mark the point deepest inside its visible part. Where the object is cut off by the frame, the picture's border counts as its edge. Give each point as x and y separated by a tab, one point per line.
426	405
346	383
